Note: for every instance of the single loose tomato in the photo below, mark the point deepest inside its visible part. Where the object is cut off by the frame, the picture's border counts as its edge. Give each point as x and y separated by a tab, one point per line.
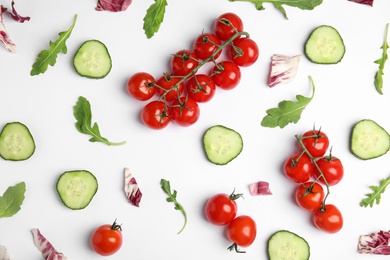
226	75
206	45
156	115
141	86
241	231
221	208
309	196
201	88
331	168
244	51
316	142
184	62
328	218
107	239
299	168
169	87
185	111
226	25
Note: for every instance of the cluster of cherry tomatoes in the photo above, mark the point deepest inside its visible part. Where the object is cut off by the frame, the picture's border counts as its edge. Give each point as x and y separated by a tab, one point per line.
312	169
180	90
221	210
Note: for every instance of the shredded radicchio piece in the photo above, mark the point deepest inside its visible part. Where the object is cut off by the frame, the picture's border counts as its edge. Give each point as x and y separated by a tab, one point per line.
132	191
260	188
376	243
283	69
365	2
4	255
46	248
113	5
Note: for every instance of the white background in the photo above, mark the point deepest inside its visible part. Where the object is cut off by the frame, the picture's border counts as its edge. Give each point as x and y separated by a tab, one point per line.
344	95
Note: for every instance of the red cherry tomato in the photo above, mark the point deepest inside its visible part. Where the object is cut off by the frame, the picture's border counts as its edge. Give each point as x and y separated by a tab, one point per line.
221	209
299	168
328	218
141	86
156	115
309	196
183	62
226	75
107	239
205	45
331	168
244	51
226	25
170	87
185	111
201	88
316	142
241	231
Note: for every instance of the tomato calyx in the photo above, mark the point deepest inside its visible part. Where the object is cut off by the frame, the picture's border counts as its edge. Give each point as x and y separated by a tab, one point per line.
234	196
234	247
116	226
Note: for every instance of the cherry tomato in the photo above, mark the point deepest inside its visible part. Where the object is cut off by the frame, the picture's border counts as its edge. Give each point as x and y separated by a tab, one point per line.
201	88
244	51
156	115
299	168
316	142
226	25
331	168
183	62
185	111
226	75
328	218
170	87
205	45
221	208
141	86
107	239
309	196
241	231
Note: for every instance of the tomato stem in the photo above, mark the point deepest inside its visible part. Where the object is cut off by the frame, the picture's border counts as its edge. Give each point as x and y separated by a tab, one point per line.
234	247
116	226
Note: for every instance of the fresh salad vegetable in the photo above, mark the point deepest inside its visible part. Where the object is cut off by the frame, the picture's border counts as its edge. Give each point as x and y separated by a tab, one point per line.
45	247
376	194
260	188
378	82
365	2
16	142
12	200
154	17
132	191
107	239
283	69
377	243
242	232
4	254
328	218
309	195
156	115
113	5
286	245
221	208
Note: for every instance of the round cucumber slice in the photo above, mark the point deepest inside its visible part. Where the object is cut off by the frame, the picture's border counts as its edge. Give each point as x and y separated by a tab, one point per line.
286	245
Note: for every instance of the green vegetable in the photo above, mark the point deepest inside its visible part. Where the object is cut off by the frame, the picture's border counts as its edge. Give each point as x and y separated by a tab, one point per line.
154	17
12	199
378	76
49	57
302	4
82	113
166	187
375	196
285	245
287	111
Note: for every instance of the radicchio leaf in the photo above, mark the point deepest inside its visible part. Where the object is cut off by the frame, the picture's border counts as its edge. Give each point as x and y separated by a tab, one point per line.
283	69
377	243
365	2
45	247
113	5
132	191
260	188
4	255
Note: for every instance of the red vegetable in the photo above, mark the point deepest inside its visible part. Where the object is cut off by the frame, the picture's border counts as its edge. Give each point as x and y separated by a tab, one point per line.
113	5
107	239
46	248
377	243
365	2
260	188
132	191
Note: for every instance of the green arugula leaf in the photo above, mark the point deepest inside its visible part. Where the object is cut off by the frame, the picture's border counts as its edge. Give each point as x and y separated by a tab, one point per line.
166	187
287	111
82	113
49	57
378	82
12	199
154	17
375	196
302	4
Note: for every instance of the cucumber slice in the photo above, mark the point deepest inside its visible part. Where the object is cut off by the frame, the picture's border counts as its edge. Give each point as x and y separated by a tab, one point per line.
16	142
285	245
92	60
222	144
77	188
369	140
325	45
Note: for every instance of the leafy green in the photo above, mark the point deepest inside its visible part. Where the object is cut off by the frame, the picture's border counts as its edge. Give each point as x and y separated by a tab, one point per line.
302	4
82	113
378	76
154	17
12	199
375	196
166	187
287	111
49	57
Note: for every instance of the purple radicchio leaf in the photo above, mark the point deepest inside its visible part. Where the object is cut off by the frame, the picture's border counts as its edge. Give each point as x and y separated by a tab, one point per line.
377	243
260	188
365	2
45	247
113	5
283	69
132	191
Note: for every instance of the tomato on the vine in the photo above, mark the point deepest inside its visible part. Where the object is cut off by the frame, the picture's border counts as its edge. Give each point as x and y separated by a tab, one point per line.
185	111
328	218
156	115
244	51
107	239
183	62
316	142
309	195
169	87
331	168
299	167
201	88
226	75
221	208
241	231
205	45
226	25
141	86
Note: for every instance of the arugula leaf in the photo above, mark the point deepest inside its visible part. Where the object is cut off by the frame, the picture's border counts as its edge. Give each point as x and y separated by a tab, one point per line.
49	57
82	113
287	111
12	199
302	4
154	17
375	196
166	187
378	82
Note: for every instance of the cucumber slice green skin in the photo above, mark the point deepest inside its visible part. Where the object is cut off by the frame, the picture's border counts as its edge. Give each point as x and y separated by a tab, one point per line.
77	188
325	46
369	140
222	144
16	142
286	245
92	60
